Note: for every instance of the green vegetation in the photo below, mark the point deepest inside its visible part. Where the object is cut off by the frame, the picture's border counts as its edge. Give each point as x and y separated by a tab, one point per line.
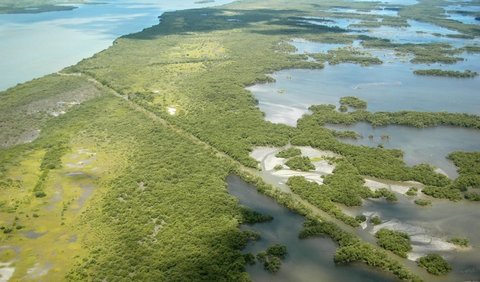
353	102
353	250
125	217
412	191
446	192
344	186
472	196
361	218
278	167
27	108
272	257
376	162
159	209
346	134
375	220
434	264
423	53
462	242
395	241
324	114
447	73
347	55
251	217
423	202
430	11
288	153
387	194
469	177
468	164
318	196
300	163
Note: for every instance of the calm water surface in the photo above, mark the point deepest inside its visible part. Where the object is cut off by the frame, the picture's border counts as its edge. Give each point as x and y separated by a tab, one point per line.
425	145
444	219
33	45
307	260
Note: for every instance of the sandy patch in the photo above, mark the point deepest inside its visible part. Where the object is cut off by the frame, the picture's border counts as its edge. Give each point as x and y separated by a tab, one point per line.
287	173
6	272
422	242
374	185
260	153
323	167
268	162
441	171
314	153
171	111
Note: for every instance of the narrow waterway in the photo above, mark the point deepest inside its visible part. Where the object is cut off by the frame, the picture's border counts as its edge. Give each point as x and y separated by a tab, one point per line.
307	260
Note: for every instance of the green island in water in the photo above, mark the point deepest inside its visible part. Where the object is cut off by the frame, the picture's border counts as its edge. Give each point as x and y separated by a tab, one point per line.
138	163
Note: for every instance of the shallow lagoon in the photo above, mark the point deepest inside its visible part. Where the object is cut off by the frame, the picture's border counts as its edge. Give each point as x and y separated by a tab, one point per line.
306	258
441	221
388	87
393	87
430	145
34	45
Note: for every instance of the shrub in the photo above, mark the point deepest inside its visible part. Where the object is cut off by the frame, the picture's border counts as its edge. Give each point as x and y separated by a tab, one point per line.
375	220
422	202
395	241
288	153
434	264
300	163
463	242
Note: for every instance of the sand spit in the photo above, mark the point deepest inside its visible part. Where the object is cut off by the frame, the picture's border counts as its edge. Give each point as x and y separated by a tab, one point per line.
374	185
422	242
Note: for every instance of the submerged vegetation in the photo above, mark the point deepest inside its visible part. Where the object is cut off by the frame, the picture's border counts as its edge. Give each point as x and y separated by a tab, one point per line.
462	242
422	202
272	257
447	73
353	102
353	250
250	216
347	55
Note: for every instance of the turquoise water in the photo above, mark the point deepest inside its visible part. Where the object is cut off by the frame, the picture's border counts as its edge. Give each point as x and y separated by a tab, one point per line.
33	45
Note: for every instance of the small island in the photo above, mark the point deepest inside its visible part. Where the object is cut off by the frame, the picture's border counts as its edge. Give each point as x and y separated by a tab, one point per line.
446	73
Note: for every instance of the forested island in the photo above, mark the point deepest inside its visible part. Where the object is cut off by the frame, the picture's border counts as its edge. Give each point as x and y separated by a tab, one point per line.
116	168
